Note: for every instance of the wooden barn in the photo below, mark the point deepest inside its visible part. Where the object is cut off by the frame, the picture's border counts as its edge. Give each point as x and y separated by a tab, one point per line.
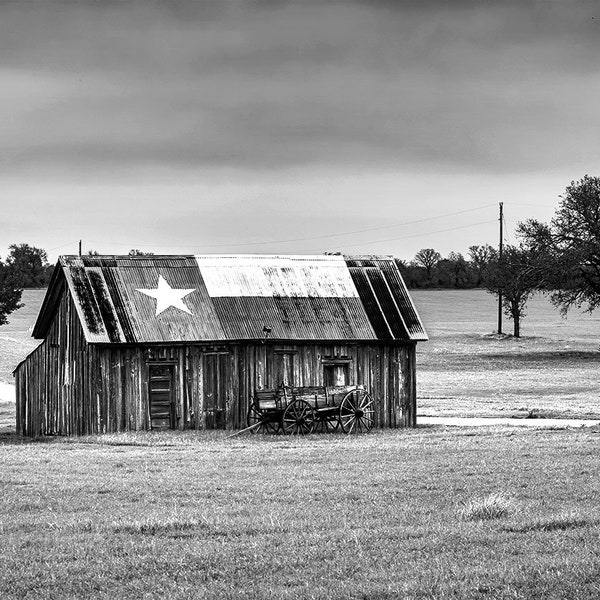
147	342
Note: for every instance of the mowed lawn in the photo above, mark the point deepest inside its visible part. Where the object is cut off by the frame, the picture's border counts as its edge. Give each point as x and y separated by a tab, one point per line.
384	515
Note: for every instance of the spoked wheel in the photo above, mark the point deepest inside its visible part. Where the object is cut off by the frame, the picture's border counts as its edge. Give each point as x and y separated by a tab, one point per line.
260	422
357	412
298	418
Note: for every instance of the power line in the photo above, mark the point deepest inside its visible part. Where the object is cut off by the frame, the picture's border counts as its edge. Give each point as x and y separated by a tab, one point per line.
62	246
537	205
304	239
418	234
506	234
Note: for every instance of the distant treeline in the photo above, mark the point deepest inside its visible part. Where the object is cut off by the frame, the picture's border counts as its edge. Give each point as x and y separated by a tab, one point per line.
429	269
28	267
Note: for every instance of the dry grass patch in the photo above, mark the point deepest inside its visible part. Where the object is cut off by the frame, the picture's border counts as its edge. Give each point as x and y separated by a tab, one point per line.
486	508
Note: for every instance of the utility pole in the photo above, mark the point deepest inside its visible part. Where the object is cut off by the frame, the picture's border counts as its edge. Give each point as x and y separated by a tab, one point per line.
501	219
79	247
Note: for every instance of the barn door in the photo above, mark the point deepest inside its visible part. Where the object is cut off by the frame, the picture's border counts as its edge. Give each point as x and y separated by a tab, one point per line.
284	368
162	414
215	392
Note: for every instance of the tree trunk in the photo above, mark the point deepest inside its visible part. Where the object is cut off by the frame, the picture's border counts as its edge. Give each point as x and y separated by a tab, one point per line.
515	313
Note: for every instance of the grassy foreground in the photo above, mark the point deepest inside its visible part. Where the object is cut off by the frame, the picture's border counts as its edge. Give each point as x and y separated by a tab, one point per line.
428	513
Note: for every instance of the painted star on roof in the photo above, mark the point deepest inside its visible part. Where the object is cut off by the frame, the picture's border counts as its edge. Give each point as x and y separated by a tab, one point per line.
167	296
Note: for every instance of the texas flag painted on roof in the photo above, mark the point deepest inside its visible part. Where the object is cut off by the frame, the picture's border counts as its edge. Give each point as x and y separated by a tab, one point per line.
150	299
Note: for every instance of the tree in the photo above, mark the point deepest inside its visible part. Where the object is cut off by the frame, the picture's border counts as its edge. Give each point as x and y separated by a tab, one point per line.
459	268
517	276
427	258
136	252
10	294
570	245
414	275
480	257
28	266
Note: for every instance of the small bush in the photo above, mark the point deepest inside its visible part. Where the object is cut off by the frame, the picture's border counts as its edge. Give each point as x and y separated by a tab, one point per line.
492	506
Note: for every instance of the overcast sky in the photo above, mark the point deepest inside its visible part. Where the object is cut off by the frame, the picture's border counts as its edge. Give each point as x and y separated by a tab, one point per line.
291	127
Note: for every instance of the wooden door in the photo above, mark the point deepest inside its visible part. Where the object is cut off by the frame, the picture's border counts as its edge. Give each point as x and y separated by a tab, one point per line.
161	392
284	369
216	383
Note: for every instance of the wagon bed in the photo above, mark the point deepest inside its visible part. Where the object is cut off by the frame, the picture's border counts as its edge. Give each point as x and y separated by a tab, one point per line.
302	410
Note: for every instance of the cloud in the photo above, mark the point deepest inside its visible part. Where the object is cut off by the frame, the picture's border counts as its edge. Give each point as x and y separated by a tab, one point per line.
110	87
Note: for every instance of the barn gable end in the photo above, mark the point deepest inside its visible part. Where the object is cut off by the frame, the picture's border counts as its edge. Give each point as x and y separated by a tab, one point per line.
50	382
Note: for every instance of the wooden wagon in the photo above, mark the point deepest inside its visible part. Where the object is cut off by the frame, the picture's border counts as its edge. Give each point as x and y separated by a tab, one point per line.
306	409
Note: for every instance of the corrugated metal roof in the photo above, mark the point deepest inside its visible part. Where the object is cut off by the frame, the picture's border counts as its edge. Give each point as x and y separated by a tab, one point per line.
383	291
123	299
323	276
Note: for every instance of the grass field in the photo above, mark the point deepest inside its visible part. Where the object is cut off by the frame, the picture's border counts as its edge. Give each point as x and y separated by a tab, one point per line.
432	513
15	337
467	370
427	513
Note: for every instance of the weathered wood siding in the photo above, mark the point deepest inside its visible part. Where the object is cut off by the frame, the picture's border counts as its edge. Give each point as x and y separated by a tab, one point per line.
69	387
50	380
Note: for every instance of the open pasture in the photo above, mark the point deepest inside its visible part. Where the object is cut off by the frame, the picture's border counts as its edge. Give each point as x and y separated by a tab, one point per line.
426	513
467	370
15	337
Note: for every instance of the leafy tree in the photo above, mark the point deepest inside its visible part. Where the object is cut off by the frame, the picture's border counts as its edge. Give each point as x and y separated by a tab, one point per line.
427	258
459	269
517	276
136	252
414	276
480	257
570	245
28	266
10	294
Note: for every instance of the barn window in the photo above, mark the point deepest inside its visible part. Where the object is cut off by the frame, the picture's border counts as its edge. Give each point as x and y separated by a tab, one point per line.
336	372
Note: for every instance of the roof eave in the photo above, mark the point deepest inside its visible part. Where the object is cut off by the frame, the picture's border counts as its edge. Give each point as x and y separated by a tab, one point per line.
283	341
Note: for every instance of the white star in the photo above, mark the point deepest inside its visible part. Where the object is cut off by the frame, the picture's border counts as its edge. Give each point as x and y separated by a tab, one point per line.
167	296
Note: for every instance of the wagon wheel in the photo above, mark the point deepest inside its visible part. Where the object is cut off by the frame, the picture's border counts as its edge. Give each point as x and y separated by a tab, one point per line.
298	417
260	422
356	412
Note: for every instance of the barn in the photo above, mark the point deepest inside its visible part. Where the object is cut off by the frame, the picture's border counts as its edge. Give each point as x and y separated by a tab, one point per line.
154	342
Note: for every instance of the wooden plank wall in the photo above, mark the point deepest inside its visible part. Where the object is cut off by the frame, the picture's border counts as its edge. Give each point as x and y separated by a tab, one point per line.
68	387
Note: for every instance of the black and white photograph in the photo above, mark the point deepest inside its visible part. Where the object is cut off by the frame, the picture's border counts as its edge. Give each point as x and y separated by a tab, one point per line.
300	299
